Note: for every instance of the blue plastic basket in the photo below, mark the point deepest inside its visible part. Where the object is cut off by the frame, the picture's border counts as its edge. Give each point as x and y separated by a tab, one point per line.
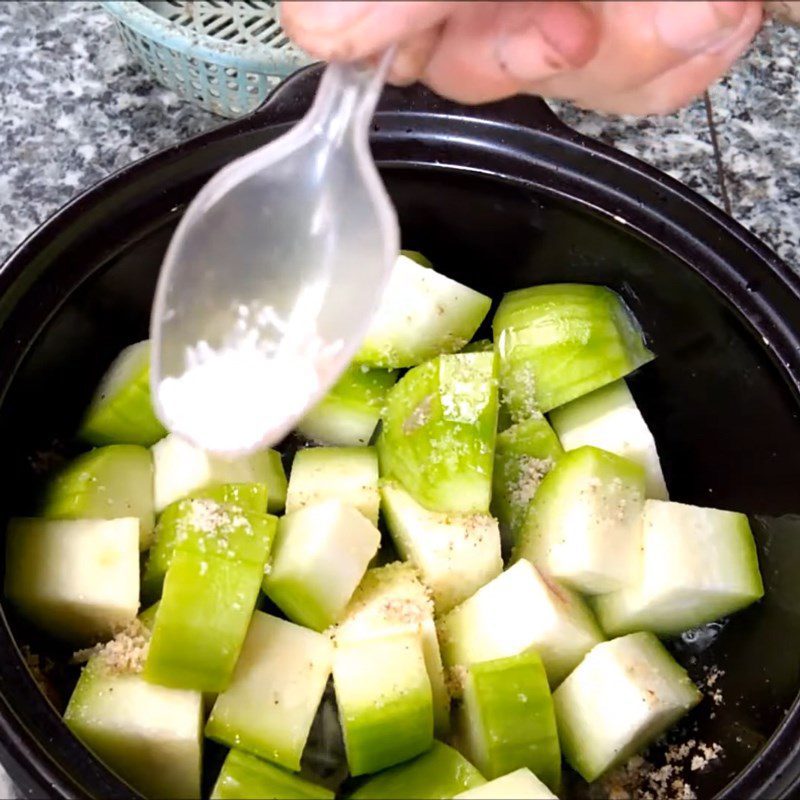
225	56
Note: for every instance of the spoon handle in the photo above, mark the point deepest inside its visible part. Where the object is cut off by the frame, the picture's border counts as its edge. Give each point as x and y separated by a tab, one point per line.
347	96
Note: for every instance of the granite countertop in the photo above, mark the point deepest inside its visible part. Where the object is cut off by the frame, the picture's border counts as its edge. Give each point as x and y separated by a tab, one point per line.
76	108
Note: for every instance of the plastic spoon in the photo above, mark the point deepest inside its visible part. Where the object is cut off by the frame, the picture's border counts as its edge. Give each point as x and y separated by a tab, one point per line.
272	275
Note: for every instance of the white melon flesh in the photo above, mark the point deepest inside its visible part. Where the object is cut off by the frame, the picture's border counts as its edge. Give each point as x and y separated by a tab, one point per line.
150	735
76	579
320	555
276	688
389	600
180	469
621	697
521	784
347	474
519	611
455	554
699	564
609	418
384	699
421	315
583	526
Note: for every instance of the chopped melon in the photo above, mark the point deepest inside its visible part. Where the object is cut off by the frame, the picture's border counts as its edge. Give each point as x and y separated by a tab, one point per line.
480	346
523	455
384	700
321	554
521	784
348	474
76	579
348	414
392	599
609	418
205	526
438	433
583	527
245	777
506	719
275	691
559	342
421	315
699	564
106	483
247	496
210	591
121	411
151	736
455	554
520	611
442	772
417	257
182	469
621	697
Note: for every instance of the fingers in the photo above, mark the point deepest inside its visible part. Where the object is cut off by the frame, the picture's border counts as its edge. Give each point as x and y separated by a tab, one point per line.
355	29
412	57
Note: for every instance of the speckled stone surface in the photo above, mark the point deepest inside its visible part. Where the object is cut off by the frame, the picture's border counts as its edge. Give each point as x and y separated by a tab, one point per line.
75	108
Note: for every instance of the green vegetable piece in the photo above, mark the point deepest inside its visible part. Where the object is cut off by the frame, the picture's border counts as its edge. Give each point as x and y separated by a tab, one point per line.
247	496
609	419
384	698
559	342
321	554
245	777
209	594
422	314
121	411
348	414
455	554
481	346
392	599
439	431
518	612
507	720
620	699
151	736
181	470
583	525
148	616
276	688
78	580
700	564
348	474
417	258
523	455
203	526
442	772
521	784
106	483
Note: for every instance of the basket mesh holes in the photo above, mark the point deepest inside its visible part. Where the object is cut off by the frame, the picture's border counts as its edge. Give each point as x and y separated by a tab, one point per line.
231	72
233	85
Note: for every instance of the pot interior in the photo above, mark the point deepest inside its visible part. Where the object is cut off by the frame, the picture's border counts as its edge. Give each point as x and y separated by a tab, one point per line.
723	416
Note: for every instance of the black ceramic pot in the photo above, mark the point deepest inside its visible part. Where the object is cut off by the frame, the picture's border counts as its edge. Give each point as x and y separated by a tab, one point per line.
501	197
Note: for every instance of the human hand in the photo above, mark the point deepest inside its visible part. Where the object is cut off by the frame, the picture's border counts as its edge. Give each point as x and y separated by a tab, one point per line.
624	57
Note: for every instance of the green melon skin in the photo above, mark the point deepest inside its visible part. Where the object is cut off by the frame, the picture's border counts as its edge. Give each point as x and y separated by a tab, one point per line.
417	257
506	719
121	411
245	777
78	580
347	474
583	526
441	773
385	702
348	415
151	736
209	594
699	564
621	698
106	483
422	314
561	341
277	686
438	434
524	454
